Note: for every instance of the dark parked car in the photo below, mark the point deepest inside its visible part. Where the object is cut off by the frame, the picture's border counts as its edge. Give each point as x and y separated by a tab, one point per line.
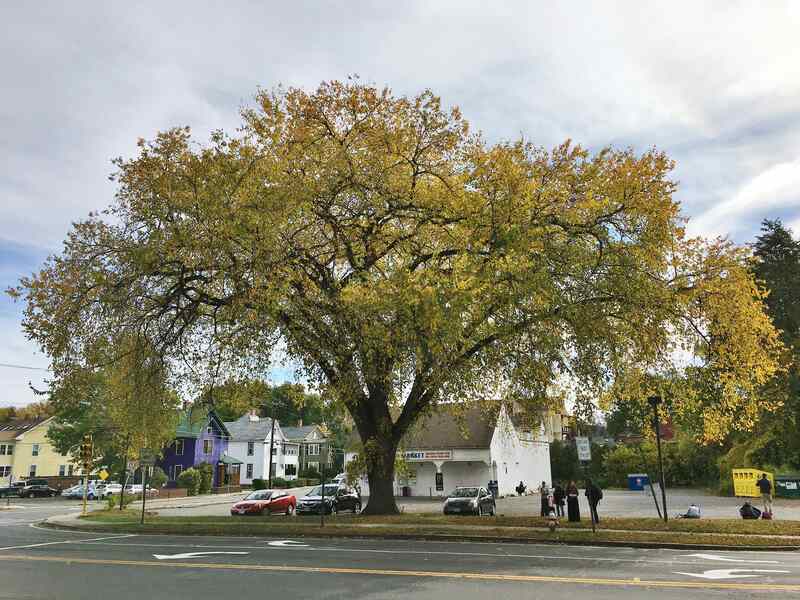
11	490
469	501
338	498
37	487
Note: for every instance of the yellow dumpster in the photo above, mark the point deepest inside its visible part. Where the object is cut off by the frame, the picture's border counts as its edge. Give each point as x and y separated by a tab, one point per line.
744	482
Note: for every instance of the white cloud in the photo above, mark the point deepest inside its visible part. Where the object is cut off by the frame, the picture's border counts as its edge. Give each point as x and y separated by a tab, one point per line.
715	84
777	187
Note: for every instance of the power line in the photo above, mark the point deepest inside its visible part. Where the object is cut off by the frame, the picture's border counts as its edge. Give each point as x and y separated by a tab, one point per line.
10	366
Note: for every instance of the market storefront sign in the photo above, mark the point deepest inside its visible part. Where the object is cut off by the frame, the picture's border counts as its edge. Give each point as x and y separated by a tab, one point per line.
419	455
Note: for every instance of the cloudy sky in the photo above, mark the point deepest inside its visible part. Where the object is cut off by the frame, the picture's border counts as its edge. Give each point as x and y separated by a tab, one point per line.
716	85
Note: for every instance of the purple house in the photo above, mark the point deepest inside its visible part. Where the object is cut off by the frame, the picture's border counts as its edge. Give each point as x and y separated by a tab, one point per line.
200	437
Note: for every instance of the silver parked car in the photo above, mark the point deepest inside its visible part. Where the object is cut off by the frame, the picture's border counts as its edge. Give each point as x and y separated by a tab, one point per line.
470	501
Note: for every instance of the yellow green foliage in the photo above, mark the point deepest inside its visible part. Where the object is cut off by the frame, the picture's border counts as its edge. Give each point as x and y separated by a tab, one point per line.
405	262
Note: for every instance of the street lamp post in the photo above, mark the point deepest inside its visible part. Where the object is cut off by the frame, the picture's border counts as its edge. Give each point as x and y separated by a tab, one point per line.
654	402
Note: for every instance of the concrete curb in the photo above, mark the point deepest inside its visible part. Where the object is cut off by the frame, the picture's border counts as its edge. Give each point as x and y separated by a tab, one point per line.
63	523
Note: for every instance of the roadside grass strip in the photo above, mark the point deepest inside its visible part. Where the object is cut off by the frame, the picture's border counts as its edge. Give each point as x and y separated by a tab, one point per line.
722	533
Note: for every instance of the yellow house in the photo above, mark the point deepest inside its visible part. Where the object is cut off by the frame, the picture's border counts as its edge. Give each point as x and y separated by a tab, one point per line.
26	452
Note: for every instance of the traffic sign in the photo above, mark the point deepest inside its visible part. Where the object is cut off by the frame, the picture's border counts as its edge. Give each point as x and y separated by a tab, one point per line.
147	458
584	448
103	474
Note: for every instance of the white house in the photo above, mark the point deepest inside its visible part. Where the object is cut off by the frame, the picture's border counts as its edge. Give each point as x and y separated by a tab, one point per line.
444	452
250	442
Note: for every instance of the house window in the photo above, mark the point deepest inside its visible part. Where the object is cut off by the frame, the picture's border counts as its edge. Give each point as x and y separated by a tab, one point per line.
10	449
176	471
178	447
251	449
208	446
2	449
290	469
70	470
249	471
62	470
35	450
210	430
313	466
274	451
313	449
32	471
5	471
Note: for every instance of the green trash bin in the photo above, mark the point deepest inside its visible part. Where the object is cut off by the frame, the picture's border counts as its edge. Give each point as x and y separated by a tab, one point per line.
787	486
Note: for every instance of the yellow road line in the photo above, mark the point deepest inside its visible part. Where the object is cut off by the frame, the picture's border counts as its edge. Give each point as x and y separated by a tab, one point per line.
397	573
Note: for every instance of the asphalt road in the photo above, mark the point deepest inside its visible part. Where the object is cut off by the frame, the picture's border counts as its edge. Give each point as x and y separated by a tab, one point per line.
45	564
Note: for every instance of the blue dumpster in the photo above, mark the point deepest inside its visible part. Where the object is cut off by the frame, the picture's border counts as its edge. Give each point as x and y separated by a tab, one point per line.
638	481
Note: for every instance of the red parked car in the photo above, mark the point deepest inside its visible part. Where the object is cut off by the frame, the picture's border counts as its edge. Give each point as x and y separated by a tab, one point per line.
260	502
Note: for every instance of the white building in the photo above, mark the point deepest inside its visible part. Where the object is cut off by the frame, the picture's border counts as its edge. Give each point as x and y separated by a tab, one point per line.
250	442
444	452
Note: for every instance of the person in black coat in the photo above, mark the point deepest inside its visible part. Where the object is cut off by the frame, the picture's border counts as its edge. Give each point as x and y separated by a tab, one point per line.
558	497
544	492
593	494
573	508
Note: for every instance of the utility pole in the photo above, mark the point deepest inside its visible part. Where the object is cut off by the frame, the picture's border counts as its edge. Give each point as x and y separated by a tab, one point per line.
654	402
271	446
86	458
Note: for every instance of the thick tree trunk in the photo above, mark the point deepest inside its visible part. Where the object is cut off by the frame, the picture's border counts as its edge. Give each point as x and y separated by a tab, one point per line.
380	472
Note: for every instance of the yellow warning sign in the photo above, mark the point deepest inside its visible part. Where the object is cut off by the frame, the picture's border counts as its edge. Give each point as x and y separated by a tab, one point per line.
103	474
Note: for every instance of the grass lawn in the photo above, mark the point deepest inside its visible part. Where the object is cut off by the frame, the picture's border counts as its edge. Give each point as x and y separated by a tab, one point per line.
717	532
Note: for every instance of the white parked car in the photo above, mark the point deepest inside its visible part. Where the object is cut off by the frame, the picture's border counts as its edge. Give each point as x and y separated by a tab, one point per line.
106	490
136	488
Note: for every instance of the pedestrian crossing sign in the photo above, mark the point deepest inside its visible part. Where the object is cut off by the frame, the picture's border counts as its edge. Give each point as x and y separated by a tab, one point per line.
103	474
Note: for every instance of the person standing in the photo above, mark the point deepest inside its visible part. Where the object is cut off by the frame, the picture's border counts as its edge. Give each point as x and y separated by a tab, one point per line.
545	493
558	497
593	494
573	508
765	486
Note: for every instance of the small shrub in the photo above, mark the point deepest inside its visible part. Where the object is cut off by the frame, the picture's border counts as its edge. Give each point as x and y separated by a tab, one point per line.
310	474
206	477
279	483
190	479
113	501
157	478
259	484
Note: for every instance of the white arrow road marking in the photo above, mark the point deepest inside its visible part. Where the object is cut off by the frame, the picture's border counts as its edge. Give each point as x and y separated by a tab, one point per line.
736	560
191	554
728	573
287	544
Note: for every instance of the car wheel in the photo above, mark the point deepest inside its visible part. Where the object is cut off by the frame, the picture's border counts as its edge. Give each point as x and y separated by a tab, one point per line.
357	508
480	510
334	510
289	510
31	494
51	494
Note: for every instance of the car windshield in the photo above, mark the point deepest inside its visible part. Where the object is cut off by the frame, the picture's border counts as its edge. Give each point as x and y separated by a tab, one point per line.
330	490
465	492
259	495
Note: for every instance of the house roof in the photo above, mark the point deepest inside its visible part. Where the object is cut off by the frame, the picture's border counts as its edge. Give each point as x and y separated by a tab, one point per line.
301	433
245	430
9	431
471	429
194	419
